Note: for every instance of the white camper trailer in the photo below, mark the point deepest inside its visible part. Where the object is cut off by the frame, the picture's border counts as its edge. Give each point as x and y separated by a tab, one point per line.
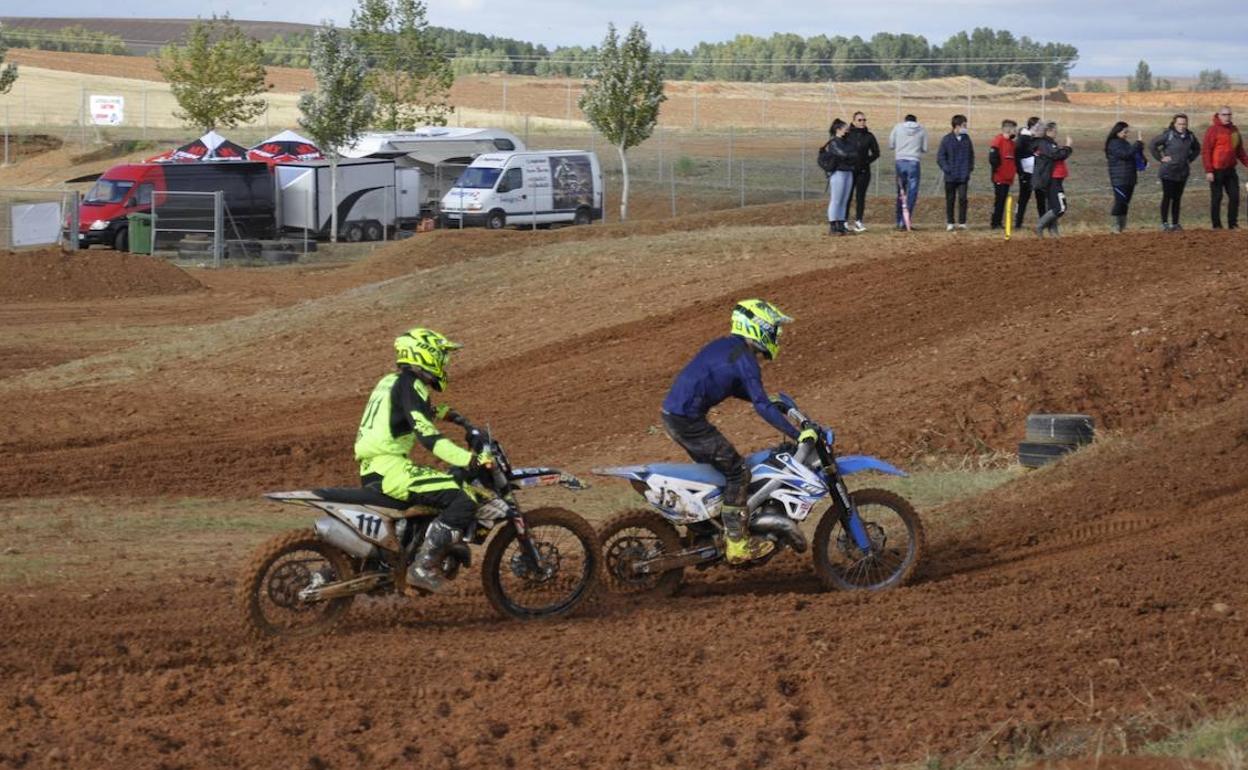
528	189
440	152
374	197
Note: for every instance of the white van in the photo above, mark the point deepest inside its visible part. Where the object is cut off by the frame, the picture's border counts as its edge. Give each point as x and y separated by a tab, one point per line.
526	189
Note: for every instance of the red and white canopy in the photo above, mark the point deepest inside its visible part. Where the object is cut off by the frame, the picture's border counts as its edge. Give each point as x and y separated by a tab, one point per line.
285	148
210	146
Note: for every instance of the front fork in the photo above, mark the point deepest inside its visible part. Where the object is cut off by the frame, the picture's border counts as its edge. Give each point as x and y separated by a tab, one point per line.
850	519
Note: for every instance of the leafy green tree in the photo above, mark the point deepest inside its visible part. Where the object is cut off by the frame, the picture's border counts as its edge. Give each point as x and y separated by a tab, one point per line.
408	72
1097	87
1213	80
1143	78
8	72
1014	80
341	108
217	76
623	95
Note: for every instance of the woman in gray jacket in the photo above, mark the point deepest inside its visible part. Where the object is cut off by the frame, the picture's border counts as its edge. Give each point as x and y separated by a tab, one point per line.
837	158
1176	148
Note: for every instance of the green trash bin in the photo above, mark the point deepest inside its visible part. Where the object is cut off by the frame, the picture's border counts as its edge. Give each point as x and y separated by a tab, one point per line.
140	235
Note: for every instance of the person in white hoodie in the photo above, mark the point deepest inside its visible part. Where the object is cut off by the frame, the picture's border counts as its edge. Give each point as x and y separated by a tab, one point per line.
908	141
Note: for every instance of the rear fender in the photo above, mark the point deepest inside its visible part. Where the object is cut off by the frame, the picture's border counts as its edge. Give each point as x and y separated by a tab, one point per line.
859	463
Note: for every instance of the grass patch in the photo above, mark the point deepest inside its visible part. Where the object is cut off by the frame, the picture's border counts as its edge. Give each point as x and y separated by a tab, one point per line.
1222	741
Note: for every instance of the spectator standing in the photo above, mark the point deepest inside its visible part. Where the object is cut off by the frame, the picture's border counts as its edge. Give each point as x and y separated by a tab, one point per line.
1121	156
1025	153
836	157
908	140
1175	148
867	151
1002	161
1049	176
956	158
1222	148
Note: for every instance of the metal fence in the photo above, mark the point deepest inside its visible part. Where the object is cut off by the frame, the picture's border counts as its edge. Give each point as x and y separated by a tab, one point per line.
38	218
192	225
717	144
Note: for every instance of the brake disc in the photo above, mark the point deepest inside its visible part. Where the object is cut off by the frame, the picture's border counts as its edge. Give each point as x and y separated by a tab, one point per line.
548	563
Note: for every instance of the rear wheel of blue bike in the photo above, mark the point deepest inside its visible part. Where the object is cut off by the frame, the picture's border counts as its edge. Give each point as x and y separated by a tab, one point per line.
897	544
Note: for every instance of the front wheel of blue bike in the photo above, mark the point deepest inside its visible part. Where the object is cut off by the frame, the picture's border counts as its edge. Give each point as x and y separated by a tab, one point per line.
897	544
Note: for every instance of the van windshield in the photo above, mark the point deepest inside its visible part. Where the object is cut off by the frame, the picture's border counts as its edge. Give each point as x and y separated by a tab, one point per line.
109	191
478	178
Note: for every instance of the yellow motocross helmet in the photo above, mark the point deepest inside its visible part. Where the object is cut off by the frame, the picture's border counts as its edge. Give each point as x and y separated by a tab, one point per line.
426	350
759	322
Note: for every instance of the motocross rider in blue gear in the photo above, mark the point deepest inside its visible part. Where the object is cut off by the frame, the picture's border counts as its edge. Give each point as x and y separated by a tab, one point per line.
728	367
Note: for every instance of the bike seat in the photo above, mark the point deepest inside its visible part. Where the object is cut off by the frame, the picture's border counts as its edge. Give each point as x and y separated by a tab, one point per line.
362	496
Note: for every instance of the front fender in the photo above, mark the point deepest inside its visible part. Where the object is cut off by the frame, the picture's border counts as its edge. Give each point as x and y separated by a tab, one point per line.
859	463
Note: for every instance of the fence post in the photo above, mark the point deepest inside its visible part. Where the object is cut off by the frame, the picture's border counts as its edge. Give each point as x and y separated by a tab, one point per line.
218	227
731	135
1044	89
82	117
672	176
803	153
568	110
695	106
74	223
6	134
742	183
504	96
144	118
526	130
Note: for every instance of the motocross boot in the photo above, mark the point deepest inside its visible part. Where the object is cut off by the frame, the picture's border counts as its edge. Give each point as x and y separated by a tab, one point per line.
739	546
424	572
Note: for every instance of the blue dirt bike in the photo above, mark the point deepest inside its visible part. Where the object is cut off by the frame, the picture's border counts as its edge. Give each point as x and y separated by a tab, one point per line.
869	539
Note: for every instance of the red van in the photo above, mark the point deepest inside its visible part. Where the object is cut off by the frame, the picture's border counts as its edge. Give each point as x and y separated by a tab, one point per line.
131	188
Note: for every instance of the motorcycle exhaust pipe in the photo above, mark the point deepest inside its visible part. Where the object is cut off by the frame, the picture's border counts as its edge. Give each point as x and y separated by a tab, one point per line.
340	536
781	527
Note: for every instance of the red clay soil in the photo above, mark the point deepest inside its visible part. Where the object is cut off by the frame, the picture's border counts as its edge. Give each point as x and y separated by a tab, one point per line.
1089	607
52	274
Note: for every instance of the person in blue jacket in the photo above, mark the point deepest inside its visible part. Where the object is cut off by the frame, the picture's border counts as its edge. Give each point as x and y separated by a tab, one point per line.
956	158
724	368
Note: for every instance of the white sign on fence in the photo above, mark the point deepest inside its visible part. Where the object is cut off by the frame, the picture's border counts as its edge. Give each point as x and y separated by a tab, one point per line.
107	110
35	223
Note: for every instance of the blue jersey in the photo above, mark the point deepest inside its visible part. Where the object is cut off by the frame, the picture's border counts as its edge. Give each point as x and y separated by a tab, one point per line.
724	368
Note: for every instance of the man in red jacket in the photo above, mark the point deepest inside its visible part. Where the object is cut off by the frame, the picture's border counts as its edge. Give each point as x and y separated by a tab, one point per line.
1223	146
1001	159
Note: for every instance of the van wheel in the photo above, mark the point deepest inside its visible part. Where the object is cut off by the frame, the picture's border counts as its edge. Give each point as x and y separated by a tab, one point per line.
373	231
121	241
582	217
497	220
354	233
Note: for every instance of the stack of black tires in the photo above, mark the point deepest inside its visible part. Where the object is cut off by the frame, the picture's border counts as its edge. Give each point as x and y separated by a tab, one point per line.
1049	436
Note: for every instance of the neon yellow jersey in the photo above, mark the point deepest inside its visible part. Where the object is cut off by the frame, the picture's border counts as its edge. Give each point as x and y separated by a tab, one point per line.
398	414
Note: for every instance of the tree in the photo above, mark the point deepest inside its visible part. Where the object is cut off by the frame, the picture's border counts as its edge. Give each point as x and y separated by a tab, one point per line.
341	107
1213	80
1097	87
217	76
623	95
408	73
1143	78
1014	80
8	72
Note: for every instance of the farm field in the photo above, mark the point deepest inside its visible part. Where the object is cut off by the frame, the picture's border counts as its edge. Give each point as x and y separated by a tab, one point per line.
1088	609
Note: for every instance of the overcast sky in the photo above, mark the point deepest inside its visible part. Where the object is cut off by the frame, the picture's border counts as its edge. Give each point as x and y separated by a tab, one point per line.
1177	37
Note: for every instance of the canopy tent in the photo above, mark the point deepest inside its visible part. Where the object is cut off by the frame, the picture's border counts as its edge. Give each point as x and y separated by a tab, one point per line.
285	147
210	146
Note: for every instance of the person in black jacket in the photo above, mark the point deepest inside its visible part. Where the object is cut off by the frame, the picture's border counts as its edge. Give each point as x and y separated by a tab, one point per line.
1024	151
1049	176
867	151
1175	148
1123	172
836	157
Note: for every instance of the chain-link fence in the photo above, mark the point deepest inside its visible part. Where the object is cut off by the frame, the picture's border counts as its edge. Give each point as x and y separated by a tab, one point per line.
717	144
38	218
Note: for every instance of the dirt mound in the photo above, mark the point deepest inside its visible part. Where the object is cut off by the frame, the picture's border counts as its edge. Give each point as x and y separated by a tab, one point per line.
52	275
907	355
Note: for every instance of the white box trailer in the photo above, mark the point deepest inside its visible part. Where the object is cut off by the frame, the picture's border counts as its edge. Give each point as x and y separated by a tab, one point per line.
374	197
526	189
440	152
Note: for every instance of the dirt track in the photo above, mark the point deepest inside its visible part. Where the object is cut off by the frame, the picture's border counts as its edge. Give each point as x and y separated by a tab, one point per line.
1090	605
